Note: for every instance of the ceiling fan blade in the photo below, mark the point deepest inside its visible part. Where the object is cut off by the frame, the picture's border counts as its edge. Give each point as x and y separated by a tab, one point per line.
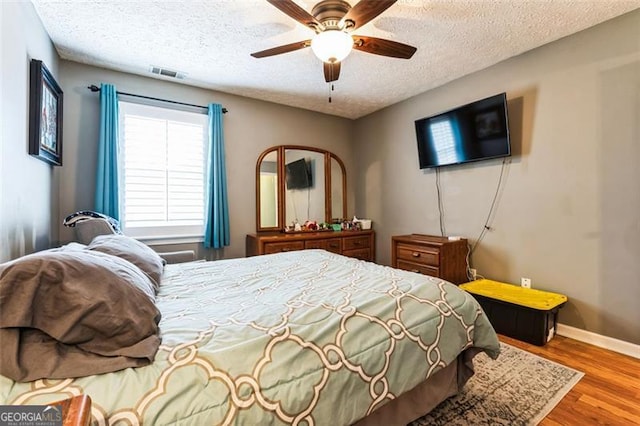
296	12
331	71
364	11
282	49
380	46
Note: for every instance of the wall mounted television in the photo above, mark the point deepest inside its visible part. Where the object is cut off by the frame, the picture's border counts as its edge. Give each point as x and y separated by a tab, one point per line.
472	132
298	174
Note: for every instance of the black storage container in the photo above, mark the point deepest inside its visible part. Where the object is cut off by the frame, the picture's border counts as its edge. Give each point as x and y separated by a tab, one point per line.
524	314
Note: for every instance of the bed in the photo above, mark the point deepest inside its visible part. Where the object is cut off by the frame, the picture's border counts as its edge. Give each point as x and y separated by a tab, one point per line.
307	337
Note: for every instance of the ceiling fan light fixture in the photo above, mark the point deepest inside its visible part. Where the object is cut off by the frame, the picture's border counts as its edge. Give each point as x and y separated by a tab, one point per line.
332	45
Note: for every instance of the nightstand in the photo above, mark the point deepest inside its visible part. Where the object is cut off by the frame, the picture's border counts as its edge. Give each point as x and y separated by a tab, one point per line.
431	255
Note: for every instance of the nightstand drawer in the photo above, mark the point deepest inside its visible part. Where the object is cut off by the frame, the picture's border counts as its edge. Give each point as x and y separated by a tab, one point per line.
353	243
418	255
281	247
416	267
333	245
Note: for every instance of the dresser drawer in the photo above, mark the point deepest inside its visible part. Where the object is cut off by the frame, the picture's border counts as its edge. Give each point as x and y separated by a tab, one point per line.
359	244
418	254
416	267
362	254
283	246
330	244
353	243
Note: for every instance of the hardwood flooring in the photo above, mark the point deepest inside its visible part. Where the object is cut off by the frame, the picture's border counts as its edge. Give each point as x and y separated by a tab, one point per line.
609	392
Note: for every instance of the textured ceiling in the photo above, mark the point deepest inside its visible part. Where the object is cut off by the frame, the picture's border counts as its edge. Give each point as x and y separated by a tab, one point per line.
210	41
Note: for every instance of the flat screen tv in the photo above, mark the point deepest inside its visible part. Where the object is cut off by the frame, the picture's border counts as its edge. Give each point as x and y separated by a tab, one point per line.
298	174
472	132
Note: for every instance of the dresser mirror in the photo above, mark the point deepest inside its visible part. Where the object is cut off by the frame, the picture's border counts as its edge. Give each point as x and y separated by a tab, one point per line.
296	184
268	191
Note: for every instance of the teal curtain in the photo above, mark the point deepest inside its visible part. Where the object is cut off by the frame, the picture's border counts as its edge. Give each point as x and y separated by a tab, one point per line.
216	233
107	200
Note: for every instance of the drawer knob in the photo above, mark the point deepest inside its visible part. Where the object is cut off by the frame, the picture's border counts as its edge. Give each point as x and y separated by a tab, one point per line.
415	254
415	270
286	249
334	245
356	243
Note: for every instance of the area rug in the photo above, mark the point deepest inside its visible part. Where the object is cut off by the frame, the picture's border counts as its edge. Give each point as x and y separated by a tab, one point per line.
518	388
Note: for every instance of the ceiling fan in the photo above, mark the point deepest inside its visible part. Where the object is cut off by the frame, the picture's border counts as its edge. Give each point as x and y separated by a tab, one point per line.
332	21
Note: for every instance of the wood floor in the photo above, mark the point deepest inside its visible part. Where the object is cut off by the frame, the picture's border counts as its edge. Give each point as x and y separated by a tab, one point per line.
609	392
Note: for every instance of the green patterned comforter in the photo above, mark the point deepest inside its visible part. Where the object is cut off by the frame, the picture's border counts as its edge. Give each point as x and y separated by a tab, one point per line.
304	337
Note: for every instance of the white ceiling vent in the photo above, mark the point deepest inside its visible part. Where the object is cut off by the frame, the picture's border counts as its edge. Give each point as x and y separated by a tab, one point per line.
167	72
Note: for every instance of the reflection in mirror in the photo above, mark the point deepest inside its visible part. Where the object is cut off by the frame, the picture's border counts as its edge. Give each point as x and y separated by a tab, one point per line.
337	185
304	186
269	191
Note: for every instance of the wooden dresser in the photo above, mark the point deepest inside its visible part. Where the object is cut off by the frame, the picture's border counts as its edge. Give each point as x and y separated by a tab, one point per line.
431	255
358	244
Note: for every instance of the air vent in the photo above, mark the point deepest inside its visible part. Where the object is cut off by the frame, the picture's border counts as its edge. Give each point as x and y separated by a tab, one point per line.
167	72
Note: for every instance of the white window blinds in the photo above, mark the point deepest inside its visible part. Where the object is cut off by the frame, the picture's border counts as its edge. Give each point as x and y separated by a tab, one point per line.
163	164
444	141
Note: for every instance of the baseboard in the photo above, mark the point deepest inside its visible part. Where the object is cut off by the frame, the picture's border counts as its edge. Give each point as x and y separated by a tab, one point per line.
599	340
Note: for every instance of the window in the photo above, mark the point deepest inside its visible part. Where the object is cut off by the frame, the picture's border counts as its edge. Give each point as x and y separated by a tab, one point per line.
163	169
444	142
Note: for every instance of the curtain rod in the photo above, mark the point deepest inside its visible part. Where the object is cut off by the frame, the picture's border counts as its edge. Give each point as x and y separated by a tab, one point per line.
95	88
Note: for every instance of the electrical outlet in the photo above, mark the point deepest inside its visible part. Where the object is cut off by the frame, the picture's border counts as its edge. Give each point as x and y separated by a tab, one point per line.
525	282
473	273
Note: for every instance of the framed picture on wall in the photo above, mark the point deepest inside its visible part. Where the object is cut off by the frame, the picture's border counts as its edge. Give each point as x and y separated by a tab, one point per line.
45	115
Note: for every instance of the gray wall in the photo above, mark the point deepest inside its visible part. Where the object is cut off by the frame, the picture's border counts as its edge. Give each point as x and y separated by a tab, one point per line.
569	213
250	127
28	186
